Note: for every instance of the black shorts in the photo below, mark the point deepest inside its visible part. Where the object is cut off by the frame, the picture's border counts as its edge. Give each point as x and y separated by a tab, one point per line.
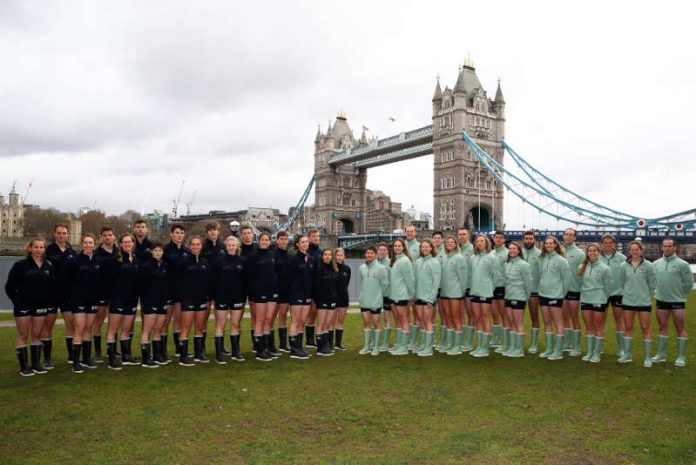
499	293
399	303
220	306
342	303
374	311
264	299
439	293
33	311
300	301
534	295
283	298
660	305
422	302
550	302
386	304
572	296
326	306
467	293
89	309
615	300
193	305
636	308
173	296
451	298
102	302
593	307
123	307
481	300
153	309
515	304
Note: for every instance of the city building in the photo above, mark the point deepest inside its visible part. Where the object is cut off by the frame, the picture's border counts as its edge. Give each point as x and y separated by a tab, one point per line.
11	216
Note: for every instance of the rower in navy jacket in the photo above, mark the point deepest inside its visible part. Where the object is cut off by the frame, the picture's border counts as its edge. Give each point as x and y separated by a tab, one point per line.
315	253
106	251
281	257
153	305
264	289
300	272
173	252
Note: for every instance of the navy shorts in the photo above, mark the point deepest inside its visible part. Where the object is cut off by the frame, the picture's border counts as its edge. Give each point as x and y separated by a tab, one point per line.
636	308
229	306
399	303
283	298
534	294
422	302
102	302
33	311
123	307
374	311
84	309
326	306
386	303
300	301
550	302
451	298
153	309
615	300
193	305
264	299
572	296
481	300
594	307
342	302
499	293
467	293
660	305
515	304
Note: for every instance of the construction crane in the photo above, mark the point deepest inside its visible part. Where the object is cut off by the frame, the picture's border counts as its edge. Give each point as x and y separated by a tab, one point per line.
190	204
177	200
26	193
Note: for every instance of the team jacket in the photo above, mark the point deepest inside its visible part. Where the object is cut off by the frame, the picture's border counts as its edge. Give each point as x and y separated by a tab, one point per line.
554	275
428	272
485	273
674	279
172	255
105	281
194	278
85	274
455	276
402	279
413	248
262	274
638	283
281	257
614	262
531	256
126	278
230	279
467	251
374	285
247	249
300	272
325	289
61	260
152	283
342	282
211	251
574	256
386	262
596	283
143	250
29	286
501	255
518	279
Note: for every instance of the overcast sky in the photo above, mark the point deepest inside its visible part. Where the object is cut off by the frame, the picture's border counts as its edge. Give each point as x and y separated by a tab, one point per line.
113	104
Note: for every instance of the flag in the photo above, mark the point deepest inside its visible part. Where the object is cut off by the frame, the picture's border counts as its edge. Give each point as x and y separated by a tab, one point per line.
392	119
365	128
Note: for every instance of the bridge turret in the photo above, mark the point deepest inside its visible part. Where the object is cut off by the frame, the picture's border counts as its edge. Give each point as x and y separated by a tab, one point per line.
499	102
437	97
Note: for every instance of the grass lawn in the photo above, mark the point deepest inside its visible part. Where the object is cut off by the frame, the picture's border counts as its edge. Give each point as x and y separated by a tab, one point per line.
354	409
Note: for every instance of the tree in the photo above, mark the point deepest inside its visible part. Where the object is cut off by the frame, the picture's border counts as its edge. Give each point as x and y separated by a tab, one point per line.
39	222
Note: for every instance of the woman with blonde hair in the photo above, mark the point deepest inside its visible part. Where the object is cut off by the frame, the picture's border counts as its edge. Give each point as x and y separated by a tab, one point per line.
402	286
595	289
518	289
484	276
428	271
554	275
455	278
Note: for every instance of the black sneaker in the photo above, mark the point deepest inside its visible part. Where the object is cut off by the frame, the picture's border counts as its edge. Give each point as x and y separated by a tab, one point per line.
88	364
149	364
98	358
185	361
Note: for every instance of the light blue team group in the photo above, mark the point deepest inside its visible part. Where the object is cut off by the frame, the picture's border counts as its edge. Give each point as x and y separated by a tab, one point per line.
490	286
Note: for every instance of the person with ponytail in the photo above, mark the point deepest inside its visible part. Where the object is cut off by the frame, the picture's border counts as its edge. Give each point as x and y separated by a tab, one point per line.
342	302
484	276
554	276
455	279
401	289
31	288
325	297
428	272
300	272
518	288
263	282
595	289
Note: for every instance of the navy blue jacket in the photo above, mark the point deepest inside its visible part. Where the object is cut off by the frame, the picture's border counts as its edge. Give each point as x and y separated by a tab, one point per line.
126	274
325	289
194	279
262	273
300	272
143	250
230	279
281	258
105	281
61	263
152	283
29	286
213	251
171	256
247	250
85	275
342	283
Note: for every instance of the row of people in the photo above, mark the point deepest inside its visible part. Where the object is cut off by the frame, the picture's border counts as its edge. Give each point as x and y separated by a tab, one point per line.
458	281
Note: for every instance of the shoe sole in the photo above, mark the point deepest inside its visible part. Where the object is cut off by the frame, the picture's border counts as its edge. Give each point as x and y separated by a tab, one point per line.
481	355
199	360
114	368
27	374
187	364
49	368
78	372
150	366
39	372
324	355
238	359
553	359
298	357
454	353
264	359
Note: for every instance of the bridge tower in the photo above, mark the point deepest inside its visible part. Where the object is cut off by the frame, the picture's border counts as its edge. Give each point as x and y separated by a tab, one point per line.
339	192
464	193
